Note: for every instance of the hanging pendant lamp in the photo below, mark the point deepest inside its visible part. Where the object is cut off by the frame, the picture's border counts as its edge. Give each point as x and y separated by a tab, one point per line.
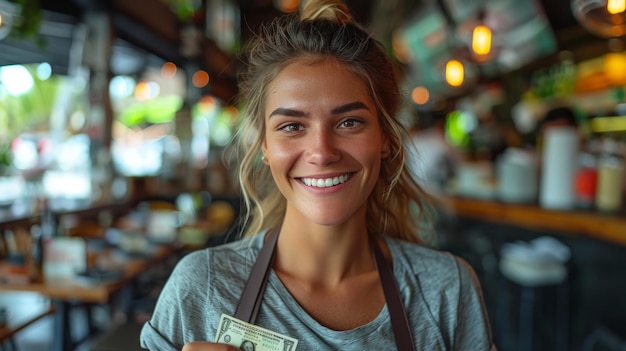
481	40
606	18
455	73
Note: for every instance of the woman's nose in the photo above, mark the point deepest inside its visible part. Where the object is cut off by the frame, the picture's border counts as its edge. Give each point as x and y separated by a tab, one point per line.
323	148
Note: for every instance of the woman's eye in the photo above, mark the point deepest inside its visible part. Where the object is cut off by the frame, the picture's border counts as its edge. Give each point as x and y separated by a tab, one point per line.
291	127
350	123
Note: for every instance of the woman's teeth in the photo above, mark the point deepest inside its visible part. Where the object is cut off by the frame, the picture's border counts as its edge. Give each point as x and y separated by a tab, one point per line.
326	182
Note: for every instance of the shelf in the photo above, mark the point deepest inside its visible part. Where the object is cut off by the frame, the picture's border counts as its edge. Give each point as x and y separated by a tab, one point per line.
611	228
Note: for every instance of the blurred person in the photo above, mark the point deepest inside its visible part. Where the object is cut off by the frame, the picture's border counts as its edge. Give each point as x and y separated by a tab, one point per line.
322	170
432	159
488	137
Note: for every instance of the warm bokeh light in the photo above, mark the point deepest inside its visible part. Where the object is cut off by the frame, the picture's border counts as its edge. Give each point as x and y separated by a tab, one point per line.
287	6
146	91
481	39
200	79
616	6
420	95
1	19
142	91
168	70
207	104
615	67
455	73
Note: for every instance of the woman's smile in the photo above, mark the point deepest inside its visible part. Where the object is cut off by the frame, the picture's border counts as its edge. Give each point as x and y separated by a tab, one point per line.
321	182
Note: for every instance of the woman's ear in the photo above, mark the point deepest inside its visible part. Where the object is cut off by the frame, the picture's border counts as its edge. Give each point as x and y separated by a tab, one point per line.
264	152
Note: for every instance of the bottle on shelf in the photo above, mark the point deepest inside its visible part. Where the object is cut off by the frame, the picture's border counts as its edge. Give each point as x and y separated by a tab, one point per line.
611	172
586	180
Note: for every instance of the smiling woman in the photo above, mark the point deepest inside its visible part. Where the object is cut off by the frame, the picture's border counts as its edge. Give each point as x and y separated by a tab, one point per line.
332	257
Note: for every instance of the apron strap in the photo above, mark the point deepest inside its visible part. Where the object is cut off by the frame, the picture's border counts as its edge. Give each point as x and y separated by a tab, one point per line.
252	295
399	320
250	301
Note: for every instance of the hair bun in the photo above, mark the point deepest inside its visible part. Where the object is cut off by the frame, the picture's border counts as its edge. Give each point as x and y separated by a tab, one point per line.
332	10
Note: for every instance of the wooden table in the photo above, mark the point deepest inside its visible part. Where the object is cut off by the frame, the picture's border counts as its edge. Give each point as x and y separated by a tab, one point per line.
65	294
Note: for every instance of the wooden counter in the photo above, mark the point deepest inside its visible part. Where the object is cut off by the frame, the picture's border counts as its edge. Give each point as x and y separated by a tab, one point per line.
606	227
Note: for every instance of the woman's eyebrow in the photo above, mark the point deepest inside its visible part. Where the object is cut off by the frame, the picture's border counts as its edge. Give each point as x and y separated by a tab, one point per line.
352	106
288	112
357	105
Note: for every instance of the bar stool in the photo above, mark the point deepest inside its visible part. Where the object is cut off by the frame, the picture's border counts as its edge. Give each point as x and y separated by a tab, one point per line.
532	278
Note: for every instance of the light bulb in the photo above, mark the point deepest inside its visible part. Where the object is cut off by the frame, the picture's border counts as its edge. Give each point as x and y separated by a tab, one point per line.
616	6
455	73
481	39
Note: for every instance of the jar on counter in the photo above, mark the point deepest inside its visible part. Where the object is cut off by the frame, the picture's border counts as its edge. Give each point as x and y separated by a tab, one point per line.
518	176
610	188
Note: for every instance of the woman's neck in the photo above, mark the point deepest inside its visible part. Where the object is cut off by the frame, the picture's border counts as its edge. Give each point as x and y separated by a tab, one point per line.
323	255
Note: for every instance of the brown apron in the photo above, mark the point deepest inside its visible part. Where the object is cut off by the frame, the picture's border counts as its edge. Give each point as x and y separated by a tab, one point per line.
252	294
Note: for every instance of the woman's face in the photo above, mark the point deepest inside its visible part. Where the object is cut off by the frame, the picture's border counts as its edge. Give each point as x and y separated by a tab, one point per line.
323	141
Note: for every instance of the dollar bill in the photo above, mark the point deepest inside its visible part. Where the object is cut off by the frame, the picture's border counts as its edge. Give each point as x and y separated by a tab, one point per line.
249	337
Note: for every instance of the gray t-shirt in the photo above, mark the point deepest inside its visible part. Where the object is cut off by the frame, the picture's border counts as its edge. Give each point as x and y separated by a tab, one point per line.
439	291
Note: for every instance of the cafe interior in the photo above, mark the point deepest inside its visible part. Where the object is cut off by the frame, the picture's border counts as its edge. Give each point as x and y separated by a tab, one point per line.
115	117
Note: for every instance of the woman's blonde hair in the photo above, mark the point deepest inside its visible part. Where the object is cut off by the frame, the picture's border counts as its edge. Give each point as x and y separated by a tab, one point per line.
324	29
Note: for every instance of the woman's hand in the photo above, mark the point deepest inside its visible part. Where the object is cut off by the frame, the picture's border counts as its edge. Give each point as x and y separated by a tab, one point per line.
208	346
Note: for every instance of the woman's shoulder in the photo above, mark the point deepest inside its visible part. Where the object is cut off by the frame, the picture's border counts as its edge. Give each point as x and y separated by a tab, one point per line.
442	278
238	246
429	264
208	269
230	254
420	255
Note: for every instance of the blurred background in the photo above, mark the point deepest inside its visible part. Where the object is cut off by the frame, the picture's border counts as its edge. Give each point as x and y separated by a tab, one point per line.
516	108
